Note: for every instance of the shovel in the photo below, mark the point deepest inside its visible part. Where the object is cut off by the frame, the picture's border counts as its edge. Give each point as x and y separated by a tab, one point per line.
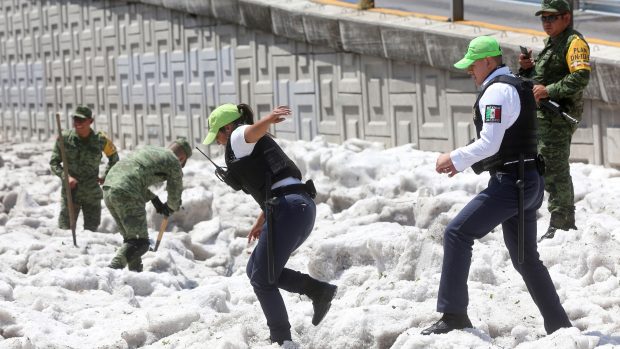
162	227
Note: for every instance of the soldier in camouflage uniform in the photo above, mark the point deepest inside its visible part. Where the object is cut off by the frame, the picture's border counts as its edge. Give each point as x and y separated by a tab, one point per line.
561	72
83	148
126	190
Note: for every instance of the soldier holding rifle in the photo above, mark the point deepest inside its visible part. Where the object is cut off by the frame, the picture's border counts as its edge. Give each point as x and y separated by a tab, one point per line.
561	72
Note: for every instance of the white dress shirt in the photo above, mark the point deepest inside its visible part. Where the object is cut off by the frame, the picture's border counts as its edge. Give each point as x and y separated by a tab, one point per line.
492	134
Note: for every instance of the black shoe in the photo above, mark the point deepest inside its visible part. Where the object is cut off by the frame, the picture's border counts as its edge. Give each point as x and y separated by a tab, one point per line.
447	323
322	302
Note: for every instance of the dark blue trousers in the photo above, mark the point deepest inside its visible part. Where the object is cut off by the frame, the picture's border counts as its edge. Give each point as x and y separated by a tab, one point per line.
498	204
293	220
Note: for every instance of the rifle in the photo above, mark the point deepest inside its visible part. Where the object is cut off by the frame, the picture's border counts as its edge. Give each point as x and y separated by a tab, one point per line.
552	106
65	169
555	108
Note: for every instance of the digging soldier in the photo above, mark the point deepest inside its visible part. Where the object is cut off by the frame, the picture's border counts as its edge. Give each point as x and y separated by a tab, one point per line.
83	148
126	190
561	72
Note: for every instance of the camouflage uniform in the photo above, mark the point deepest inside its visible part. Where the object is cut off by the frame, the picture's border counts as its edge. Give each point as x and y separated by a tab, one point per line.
563	66
126	190
84	157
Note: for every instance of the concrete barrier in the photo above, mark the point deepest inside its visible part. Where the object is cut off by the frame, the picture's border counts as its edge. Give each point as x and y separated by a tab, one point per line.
154	69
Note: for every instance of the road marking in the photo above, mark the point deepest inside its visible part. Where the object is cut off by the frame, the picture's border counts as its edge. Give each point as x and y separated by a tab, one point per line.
401	13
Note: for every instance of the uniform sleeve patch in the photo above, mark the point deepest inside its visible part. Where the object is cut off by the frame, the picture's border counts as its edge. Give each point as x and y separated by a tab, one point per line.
109	149
493	113
578	56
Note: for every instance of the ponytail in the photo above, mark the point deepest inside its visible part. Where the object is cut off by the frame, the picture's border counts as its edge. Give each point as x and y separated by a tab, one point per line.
247	115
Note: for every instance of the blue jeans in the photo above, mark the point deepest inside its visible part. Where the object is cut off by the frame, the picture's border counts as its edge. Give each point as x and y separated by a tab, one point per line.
498	204
293	220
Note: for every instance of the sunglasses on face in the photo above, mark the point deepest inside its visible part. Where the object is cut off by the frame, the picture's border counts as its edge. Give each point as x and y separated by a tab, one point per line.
79	120
550	18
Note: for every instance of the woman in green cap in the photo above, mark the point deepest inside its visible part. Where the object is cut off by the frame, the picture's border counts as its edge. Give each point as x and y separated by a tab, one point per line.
258	166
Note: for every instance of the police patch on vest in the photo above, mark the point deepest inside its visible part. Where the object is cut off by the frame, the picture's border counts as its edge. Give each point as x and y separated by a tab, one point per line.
493	113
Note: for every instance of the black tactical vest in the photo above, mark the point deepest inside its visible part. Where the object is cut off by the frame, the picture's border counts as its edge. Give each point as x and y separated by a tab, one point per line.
256	172
519	138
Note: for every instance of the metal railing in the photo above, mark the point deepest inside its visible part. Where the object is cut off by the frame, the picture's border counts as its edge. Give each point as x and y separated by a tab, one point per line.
600	5
612	6
457	7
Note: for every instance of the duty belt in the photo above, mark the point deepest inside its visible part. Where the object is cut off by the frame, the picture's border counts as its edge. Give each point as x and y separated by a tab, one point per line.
307	188
513	166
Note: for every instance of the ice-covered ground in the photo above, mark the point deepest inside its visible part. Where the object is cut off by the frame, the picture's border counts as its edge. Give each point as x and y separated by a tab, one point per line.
378	236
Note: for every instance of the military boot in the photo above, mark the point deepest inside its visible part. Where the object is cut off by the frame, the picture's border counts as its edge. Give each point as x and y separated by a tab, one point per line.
135	265
120	260
137	248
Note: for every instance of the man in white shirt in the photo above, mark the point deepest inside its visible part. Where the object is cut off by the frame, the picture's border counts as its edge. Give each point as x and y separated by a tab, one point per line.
505	120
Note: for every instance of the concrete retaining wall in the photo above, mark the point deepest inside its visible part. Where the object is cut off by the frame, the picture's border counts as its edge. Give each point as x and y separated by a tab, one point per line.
153	70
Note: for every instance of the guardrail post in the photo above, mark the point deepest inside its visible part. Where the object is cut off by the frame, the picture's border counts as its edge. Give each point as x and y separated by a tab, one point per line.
457	10
365	4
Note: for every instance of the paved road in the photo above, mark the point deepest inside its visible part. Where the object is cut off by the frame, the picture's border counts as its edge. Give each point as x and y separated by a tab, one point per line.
511	13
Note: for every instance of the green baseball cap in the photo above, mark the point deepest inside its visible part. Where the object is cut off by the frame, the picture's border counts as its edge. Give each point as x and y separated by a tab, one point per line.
557	6
220	117
182	141
480	47
82	112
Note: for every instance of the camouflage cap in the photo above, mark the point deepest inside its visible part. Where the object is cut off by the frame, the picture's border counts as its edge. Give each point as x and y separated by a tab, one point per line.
182	141
82	112
556	6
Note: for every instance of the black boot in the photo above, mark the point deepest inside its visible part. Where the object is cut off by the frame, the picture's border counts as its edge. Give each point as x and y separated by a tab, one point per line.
281	341
447	323
137	247
321	295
